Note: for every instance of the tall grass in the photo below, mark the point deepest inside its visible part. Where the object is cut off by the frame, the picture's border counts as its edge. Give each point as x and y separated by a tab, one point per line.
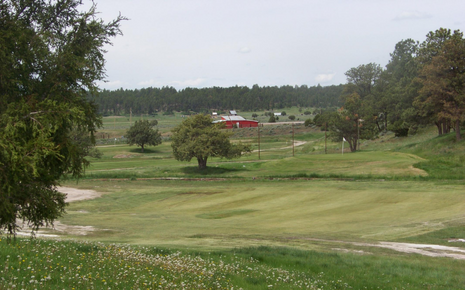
41	264
445	157
45	264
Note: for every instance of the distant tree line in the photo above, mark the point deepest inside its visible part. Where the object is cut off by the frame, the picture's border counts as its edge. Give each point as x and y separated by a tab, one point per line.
423	83
167	99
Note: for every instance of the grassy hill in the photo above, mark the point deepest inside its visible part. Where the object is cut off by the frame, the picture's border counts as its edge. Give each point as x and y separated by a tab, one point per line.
288	220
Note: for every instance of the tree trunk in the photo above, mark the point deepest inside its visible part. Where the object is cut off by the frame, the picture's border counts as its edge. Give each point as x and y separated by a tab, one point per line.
353	145
439	125
142	148
445	127
457	130
385	121
202	162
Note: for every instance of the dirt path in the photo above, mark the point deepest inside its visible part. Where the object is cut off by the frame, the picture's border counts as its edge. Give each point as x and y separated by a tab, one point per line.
421	249
296	143
409	248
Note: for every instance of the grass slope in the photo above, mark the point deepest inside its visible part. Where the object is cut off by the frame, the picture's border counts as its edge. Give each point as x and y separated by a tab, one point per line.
252	231
232	214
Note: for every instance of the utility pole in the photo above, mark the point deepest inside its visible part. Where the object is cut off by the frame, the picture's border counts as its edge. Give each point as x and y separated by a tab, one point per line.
326	129
293	140
258	129
358	133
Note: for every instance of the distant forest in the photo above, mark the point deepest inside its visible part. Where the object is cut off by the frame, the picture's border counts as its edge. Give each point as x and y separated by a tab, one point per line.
242	98
422	84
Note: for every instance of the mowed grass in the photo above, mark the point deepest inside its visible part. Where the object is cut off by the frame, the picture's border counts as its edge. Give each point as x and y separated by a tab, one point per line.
257	227
276	160
233	214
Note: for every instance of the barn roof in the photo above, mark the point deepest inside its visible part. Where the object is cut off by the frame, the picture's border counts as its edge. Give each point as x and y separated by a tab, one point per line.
232	118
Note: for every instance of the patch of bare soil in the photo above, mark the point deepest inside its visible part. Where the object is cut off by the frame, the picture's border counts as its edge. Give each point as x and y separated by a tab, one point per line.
72	194
409	248
423	249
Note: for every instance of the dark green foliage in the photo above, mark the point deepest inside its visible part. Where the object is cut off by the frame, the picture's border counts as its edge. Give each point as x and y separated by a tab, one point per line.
443	80
84	143
291	117
283	113
51	55
399	128
142	134
307	113
272	118
148	100
309	122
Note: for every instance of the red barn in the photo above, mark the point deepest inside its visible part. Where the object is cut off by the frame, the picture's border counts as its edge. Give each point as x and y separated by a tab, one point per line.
238	121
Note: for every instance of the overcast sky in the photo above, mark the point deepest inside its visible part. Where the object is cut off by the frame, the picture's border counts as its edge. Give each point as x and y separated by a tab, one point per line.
205	43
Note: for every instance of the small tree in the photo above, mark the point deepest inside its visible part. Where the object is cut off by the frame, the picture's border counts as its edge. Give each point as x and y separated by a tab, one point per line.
272	119
197	137
142	134
291	117
283	113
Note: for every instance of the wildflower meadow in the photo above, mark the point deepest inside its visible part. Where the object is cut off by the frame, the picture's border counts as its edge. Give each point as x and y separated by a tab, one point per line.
54	264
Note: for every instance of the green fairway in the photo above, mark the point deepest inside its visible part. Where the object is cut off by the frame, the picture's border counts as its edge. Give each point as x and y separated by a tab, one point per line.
231	214
122	161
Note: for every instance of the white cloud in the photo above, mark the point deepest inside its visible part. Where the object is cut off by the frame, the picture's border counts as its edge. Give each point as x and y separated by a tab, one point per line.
324	77
407	15
245	50
147	83
188	83
110	85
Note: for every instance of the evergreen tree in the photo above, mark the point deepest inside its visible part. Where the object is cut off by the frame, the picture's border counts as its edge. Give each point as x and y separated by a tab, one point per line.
51	55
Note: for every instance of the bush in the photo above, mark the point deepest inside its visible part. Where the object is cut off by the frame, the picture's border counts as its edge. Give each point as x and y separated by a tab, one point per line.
291	117
307	113
308	122
400	128
283	113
